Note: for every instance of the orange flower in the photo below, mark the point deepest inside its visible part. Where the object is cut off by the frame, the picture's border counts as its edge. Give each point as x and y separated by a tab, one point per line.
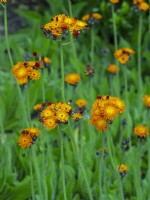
73	78
141	131
114	1
25	140
112	69
81	103
123	54
146	100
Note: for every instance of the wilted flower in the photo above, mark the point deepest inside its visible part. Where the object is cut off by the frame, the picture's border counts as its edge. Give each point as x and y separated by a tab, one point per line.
89	70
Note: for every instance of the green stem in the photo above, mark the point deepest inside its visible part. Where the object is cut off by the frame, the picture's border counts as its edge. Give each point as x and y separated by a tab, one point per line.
125	84
42	85
62	72
31	176
71	39
116	48
115	167
139	52
114	28
2	5
6	35
138	174
101	167
92	46
62	165
37	172
75	148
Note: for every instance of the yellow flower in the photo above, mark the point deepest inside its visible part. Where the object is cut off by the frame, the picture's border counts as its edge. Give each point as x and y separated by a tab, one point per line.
114	1
20	71
32	131
81	103
62	116
86	17
50	122
73	78
100	124
47	112
96	16
137	1
118	103
63	106
3	1
77	116
141	131
146	100
25	140
60	23
123	54
110	112
34	74
122	168
112	69
143	6
37	107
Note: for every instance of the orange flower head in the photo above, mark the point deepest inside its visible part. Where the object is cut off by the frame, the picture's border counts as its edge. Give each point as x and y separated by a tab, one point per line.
50	122
146	100
73	78
77	116
114	1
141	131
81	103
62	116
143	6
25	140
122	168
37	107
112	69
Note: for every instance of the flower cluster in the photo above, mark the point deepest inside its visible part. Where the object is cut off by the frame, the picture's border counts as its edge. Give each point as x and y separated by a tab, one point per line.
122	170
105	108
89	70
28	137
61	25
114	1
146	100
123	54
24	71
112	69
55	114
73	79
141	131
92	18
141	5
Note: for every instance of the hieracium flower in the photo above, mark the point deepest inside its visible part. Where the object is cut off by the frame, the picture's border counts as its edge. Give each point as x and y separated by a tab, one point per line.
122	168
141	5
104	109
61	25
123	55
112	69
114	1
146	100
92	18
73	79
54	114
81	103
28	137
90	70
24	71
141	131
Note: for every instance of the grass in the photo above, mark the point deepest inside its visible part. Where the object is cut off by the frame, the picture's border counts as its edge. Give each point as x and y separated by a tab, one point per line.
63	163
